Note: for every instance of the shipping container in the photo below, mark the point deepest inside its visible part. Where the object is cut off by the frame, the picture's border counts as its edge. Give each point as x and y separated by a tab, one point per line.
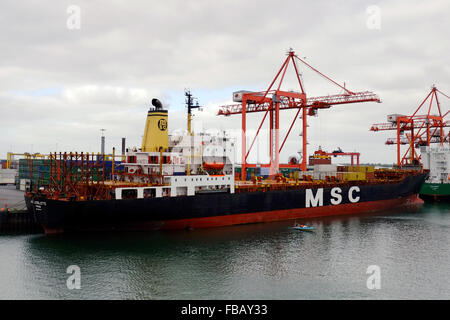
325	167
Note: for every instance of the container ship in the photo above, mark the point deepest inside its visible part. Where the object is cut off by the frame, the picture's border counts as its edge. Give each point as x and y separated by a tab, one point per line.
190	181
437	185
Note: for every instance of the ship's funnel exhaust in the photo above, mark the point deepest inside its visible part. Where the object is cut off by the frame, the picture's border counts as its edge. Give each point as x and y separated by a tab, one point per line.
156	137
157	104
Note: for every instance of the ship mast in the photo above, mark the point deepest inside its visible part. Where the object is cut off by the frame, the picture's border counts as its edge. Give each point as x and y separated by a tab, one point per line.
190	105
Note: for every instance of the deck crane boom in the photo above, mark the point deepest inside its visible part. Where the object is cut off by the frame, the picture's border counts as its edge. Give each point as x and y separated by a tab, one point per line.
273	100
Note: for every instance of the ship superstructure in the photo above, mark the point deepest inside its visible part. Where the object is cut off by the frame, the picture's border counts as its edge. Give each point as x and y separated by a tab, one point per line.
175	165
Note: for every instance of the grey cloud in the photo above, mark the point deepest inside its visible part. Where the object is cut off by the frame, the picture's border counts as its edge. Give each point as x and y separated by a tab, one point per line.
128	52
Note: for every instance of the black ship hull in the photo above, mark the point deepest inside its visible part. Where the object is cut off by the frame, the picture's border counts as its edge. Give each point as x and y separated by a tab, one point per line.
219	209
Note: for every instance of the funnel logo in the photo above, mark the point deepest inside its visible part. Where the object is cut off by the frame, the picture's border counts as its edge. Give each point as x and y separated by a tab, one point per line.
162	124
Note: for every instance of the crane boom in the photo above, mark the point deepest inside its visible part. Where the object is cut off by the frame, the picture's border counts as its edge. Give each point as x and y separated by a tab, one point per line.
322	102
274	99
418	142
417	124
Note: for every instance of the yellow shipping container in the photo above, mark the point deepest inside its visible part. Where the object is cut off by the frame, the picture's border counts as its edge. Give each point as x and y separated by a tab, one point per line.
353	176
349	176
364	169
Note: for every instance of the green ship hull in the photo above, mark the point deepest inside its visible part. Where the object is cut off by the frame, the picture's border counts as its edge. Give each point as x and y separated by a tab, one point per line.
435	192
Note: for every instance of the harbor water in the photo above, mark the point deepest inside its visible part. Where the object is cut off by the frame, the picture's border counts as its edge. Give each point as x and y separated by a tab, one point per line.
406	249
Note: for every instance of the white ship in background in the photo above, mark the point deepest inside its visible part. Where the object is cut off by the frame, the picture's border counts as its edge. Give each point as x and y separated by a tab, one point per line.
437	185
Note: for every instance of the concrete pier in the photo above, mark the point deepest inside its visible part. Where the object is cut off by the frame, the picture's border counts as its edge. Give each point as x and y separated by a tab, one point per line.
14	217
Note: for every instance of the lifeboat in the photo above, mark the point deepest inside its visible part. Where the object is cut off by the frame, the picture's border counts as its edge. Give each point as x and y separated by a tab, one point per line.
213	165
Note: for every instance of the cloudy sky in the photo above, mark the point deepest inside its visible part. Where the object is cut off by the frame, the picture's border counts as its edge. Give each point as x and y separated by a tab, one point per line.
62	79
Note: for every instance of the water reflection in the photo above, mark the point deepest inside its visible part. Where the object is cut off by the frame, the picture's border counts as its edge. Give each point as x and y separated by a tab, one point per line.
259	261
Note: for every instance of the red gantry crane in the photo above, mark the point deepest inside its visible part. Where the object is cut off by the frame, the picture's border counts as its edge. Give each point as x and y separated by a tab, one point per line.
320	154
421	130
273	100
351	154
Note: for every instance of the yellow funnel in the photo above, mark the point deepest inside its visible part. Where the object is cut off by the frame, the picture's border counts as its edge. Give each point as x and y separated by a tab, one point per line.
156	137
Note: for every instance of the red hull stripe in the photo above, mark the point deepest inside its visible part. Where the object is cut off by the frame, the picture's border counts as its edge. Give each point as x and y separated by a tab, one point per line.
278	215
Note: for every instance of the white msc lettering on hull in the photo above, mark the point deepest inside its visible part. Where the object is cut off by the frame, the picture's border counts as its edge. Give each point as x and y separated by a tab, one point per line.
312	201
336	196
350	194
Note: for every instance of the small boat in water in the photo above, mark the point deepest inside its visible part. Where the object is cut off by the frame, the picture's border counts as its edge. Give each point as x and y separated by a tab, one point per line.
303	227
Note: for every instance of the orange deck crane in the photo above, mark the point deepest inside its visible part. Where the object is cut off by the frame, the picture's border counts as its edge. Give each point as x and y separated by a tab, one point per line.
351	154
273	100
421	130
320	154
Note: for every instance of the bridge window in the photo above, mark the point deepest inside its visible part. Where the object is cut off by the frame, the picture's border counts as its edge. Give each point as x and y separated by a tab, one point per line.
131	159
153	159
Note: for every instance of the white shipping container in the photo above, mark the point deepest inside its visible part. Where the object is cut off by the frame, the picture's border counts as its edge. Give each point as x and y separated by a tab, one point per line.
8	176
24	183
302	174
325	167
323	175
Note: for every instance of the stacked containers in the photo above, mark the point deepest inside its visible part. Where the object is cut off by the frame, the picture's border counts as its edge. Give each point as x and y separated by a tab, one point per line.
322	171
35	170
356	173
38	171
